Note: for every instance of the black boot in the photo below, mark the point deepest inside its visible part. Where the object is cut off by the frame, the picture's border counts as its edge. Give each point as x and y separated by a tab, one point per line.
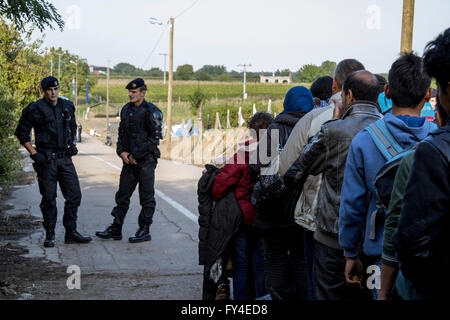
143	234
76	237
114	231
49	239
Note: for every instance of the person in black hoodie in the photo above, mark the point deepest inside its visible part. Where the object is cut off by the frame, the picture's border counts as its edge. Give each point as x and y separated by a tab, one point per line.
282	238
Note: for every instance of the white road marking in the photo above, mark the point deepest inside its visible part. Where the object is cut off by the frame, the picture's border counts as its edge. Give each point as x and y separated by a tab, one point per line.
160	194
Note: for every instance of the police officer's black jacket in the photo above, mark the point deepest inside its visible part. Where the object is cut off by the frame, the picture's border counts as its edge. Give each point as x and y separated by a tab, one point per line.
140	130
54	126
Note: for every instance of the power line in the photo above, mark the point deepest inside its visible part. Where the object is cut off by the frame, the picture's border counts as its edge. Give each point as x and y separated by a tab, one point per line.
185	10
154	48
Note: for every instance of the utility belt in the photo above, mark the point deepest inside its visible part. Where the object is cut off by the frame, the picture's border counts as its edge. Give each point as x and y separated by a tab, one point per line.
53	154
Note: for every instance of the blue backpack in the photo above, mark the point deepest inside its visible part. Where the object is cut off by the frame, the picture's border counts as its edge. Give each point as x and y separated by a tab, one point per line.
384	180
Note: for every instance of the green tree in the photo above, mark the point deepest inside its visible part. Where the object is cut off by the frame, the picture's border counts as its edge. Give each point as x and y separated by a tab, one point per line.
155	72
197	99
213	70
21	69
224	77
185	72
309	72
328	66
124	68
39	12
202	76
71	67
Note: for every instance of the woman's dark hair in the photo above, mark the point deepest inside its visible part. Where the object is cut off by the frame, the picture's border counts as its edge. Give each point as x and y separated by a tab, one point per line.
321	88
260	120
436	59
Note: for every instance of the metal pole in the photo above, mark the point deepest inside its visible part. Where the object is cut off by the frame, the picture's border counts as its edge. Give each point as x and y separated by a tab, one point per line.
245	80
407	26
107	98
59	67
165	56
169	95
76	84
51	67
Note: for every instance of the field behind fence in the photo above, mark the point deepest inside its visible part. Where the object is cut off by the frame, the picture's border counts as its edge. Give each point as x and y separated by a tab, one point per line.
221	96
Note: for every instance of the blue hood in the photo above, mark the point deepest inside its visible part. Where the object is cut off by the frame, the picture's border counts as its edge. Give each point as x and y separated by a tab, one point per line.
298	99
406	136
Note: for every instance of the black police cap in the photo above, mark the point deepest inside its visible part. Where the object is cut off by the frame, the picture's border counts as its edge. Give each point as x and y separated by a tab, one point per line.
135	84
49	82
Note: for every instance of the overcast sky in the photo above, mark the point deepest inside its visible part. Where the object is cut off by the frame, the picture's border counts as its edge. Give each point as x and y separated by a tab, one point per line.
268	34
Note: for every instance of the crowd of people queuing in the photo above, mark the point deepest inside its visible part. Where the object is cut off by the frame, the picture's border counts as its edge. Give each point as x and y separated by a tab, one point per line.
357	207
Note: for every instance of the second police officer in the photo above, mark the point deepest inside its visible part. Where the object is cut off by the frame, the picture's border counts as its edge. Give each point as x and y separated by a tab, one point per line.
140	130
53	120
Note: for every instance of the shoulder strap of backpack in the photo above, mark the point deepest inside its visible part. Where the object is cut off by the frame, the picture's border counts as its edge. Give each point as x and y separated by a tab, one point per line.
384	140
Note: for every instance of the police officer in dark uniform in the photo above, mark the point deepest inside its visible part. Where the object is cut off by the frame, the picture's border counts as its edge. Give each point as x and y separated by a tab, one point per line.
137	146
53	120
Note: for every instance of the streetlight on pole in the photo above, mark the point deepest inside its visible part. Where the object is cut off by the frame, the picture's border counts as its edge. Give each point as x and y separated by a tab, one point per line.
245	78
165	56
59	66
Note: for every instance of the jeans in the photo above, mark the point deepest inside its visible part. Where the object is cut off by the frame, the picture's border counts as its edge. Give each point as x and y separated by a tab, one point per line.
284	263
248	252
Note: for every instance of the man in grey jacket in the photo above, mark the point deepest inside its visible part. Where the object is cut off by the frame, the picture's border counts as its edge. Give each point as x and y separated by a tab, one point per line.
304	130
326	154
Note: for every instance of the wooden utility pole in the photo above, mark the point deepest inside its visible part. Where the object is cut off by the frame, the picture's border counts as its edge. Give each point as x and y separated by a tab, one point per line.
407	26
169	95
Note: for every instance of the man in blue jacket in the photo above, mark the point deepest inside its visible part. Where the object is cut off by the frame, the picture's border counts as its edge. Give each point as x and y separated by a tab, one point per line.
409	89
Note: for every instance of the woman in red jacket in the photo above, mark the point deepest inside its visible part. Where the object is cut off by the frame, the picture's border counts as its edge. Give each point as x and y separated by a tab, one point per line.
248	249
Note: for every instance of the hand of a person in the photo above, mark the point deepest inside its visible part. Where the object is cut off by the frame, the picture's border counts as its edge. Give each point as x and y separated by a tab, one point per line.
132	160
124	155
38	158
338	110
353	273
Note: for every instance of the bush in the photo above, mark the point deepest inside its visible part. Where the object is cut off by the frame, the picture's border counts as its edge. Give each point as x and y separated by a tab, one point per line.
9	154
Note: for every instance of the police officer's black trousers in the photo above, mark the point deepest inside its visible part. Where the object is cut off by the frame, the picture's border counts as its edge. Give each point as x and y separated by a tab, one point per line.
60	171
144	174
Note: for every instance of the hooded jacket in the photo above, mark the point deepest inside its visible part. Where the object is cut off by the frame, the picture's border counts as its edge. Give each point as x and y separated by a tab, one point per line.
358	197
297	103
236	176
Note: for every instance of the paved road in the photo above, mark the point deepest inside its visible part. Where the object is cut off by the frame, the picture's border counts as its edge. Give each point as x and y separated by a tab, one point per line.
164	268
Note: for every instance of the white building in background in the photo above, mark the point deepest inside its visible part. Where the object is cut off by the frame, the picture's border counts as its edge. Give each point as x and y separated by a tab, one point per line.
275	79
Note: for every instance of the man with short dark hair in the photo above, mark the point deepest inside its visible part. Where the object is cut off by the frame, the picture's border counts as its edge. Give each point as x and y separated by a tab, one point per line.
53	120
326	154
360	220
423	236
137	146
